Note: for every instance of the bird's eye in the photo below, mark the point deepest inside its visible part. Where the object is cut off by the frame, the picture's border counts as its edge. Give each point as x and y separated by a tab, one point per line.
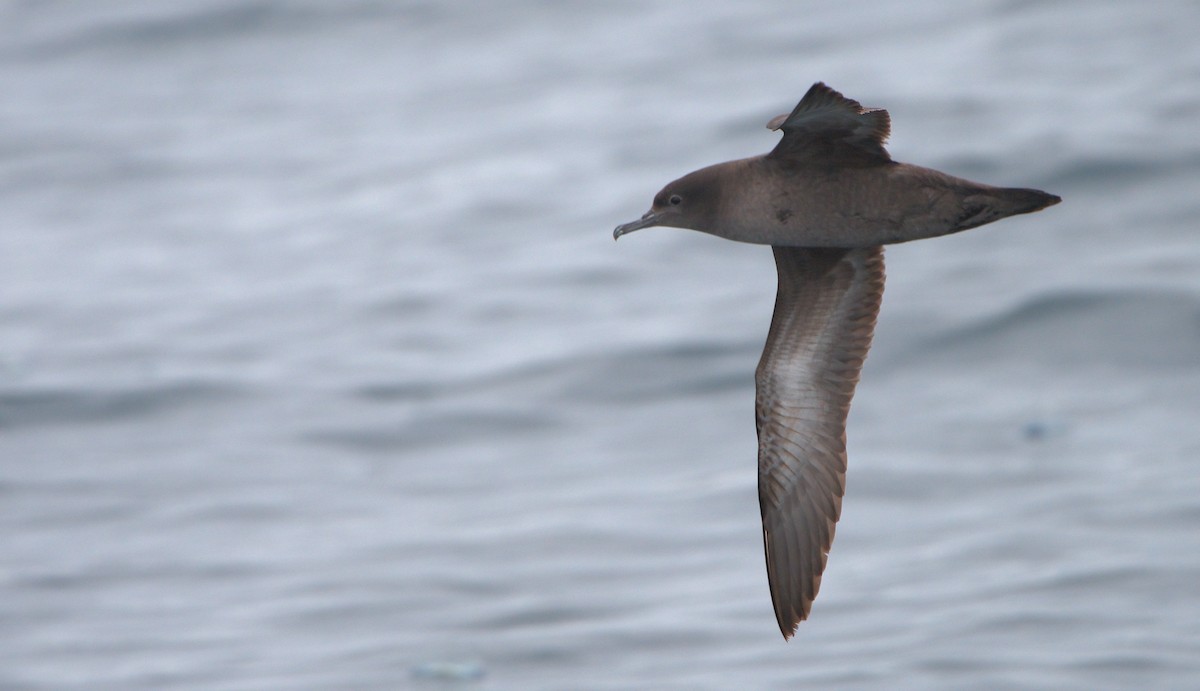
675	200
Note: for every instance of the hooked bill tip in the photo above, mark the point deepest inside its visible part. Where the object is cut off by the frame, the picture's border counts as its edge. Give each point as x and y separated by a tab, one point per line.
649	219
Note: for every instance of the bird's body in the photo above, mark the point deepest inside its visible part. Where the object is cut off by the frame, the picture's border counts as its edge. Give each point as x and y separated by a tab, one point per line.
857	206
826	199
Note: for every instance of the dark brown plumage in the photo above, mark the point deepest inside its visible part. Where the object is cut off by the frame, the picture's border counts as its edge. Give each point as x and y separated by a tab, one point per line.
826	199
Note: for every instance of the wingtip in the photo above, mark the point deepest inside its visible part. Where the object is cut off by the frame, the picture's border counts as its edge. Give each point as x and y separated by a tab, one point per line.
825	123
789	630
823	89
789	616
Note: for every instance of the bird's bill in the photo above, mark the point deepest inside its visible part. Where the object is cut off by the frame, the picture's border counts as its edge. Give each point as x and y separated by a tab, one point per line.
648	219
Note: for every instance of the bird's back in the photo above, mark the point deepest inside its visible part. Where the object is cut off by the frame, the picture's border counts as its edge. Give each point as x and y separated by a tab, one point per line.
859	206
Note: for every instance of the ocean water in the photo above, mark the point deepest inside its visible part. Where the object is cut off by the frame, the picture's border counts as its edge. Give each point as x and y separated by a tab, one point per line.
319	368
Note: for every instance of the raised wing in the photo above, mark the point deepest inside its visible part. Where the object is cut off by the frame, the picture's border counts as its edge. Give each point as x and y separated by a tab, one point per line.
826	128
824	318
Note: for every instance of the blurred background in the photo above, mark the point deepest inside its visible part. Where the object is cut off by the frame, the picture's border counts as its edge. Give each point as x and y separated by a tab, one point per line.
319	367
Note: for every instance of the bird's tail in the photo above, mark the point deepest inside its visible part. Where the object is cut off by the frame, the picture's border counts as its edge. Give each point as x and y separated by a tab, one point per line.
995	203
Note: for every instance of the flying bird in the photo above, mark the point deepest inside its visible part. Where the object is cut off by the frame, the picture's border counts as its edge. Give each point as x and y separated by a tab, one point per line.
826	199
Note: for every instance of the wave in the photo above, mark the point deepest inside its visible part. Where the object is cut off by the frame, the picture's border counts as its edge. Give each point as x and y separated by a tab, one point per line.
21	409
71	31
1137	329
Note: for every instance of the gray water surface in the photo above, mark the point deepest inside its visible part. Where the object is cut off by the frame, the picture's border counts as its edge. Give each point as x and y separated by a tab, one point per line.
320	370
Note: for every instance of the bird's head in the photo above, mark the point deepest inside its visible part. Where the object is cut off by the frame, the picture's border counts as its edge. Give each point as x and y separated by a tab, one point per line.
689	202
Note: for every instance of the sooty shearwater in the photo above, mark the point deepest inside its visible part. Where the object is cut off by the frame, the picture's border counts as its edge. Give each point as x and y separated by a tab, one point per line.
826	199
